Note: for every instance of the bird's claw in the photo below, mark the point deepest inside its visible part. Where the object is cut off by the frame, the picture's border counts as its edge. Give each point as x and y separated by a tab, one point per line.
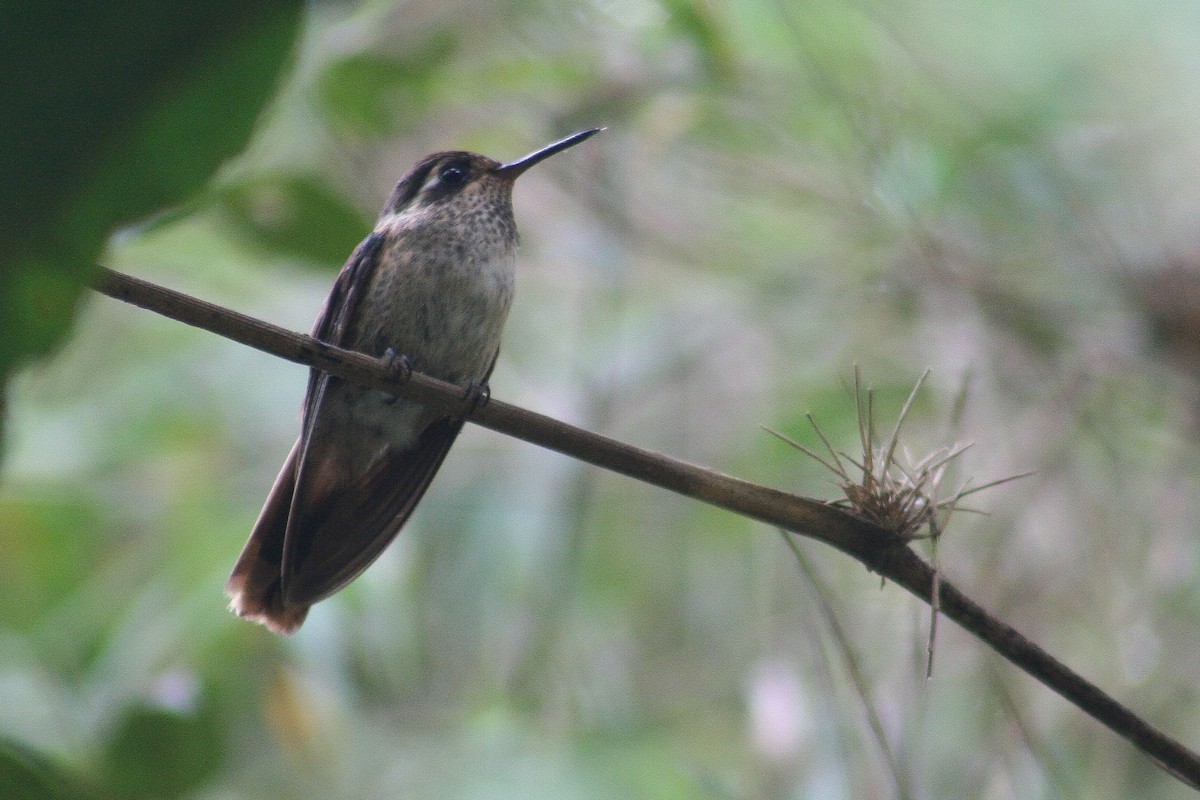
400	366
476	396
401	369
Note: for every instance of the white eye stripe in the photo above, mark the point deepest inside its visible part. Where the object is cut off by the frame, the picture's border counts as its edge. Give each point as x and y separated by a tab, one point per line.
448	176
435	179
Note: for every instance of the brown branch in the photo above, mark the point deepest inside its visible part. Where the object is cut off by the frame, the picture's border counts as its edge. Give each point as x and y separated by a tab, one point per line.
881	551
816	519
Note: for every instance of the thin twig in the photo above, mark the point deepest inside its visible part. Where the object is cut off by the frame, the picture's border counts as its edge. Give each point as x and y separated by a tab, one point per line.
935	598
853	662
881	551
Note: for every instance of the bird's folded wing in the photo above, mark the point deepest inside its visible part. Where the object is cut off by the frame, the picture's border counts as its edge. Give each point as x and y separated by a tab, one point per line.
346	521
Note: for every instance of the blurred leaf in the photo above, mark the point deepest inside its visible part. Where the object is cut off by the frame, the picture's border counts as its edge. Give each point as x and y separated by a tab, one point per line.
700	26
162	753
113	111
28	775
295	216
1034	322
368	93
38	294
45	556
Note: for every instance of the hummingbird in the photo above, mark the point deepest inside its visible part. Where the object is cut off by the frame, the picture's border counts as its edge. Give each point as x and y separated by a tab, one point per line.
429	289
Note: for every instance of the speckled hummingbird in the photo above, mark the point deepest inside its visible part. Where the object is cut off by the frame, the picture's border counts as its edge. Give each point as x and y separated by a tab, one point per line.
430	287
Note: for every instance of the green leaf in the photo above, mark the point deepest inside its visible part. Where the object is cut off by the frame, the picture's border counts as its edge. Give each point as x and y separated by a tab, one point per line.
28	775
114	111
369	93
295	216
162	753
45	557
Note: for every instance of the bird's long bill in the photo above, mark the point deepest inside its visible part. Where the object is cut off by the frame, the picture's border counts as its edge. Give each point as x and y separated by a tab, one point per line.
515	168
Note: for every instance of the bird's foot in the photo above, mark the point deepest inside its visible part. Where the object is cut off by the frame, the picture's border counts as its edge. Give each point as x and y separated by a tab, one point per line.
476	396
401	369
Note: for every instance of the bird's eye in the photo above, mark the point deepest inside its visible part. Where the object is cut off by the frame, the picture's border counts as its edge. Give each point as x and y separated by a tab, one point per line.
452	175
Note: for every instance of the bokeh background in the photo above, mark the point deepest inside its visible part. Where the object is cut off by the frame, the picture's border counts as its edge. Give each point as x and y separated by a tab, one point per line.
1006	193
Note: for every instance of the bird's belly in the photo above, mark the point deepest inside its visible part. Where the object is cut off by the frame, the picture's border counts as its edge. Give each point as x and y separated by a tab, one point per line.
447	321
371	419
448	325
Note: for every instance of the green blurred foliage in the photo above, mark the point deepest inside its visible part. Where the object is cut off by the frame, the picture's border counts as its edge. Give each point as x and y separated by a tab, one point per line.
186	748
1004	194
293	216
369	94
25	775
113	112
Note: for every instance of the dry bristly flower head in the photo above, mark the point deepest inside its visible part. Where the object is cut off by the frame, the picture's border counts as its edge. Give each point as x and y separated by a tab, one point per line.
898	494
901	496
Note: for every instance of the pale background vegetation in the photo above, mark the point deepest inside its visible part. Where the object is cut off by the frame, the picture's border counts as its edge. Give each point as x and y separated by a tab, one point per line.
1006	193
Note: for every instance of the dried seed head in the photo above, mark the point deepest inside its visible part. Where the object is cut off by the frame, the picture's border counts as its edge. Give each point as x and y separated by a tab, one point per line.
902	496
893	490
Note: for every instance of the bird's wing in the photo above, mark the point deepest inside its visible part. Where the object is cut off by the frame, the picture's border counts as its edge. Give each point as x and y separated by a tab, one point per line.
341	517
255	583
340	523
333	321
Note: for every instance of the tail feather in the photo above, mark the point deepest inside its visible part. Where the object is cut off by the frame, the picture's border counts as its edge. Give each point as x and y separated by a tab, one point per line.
326	519
254	585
